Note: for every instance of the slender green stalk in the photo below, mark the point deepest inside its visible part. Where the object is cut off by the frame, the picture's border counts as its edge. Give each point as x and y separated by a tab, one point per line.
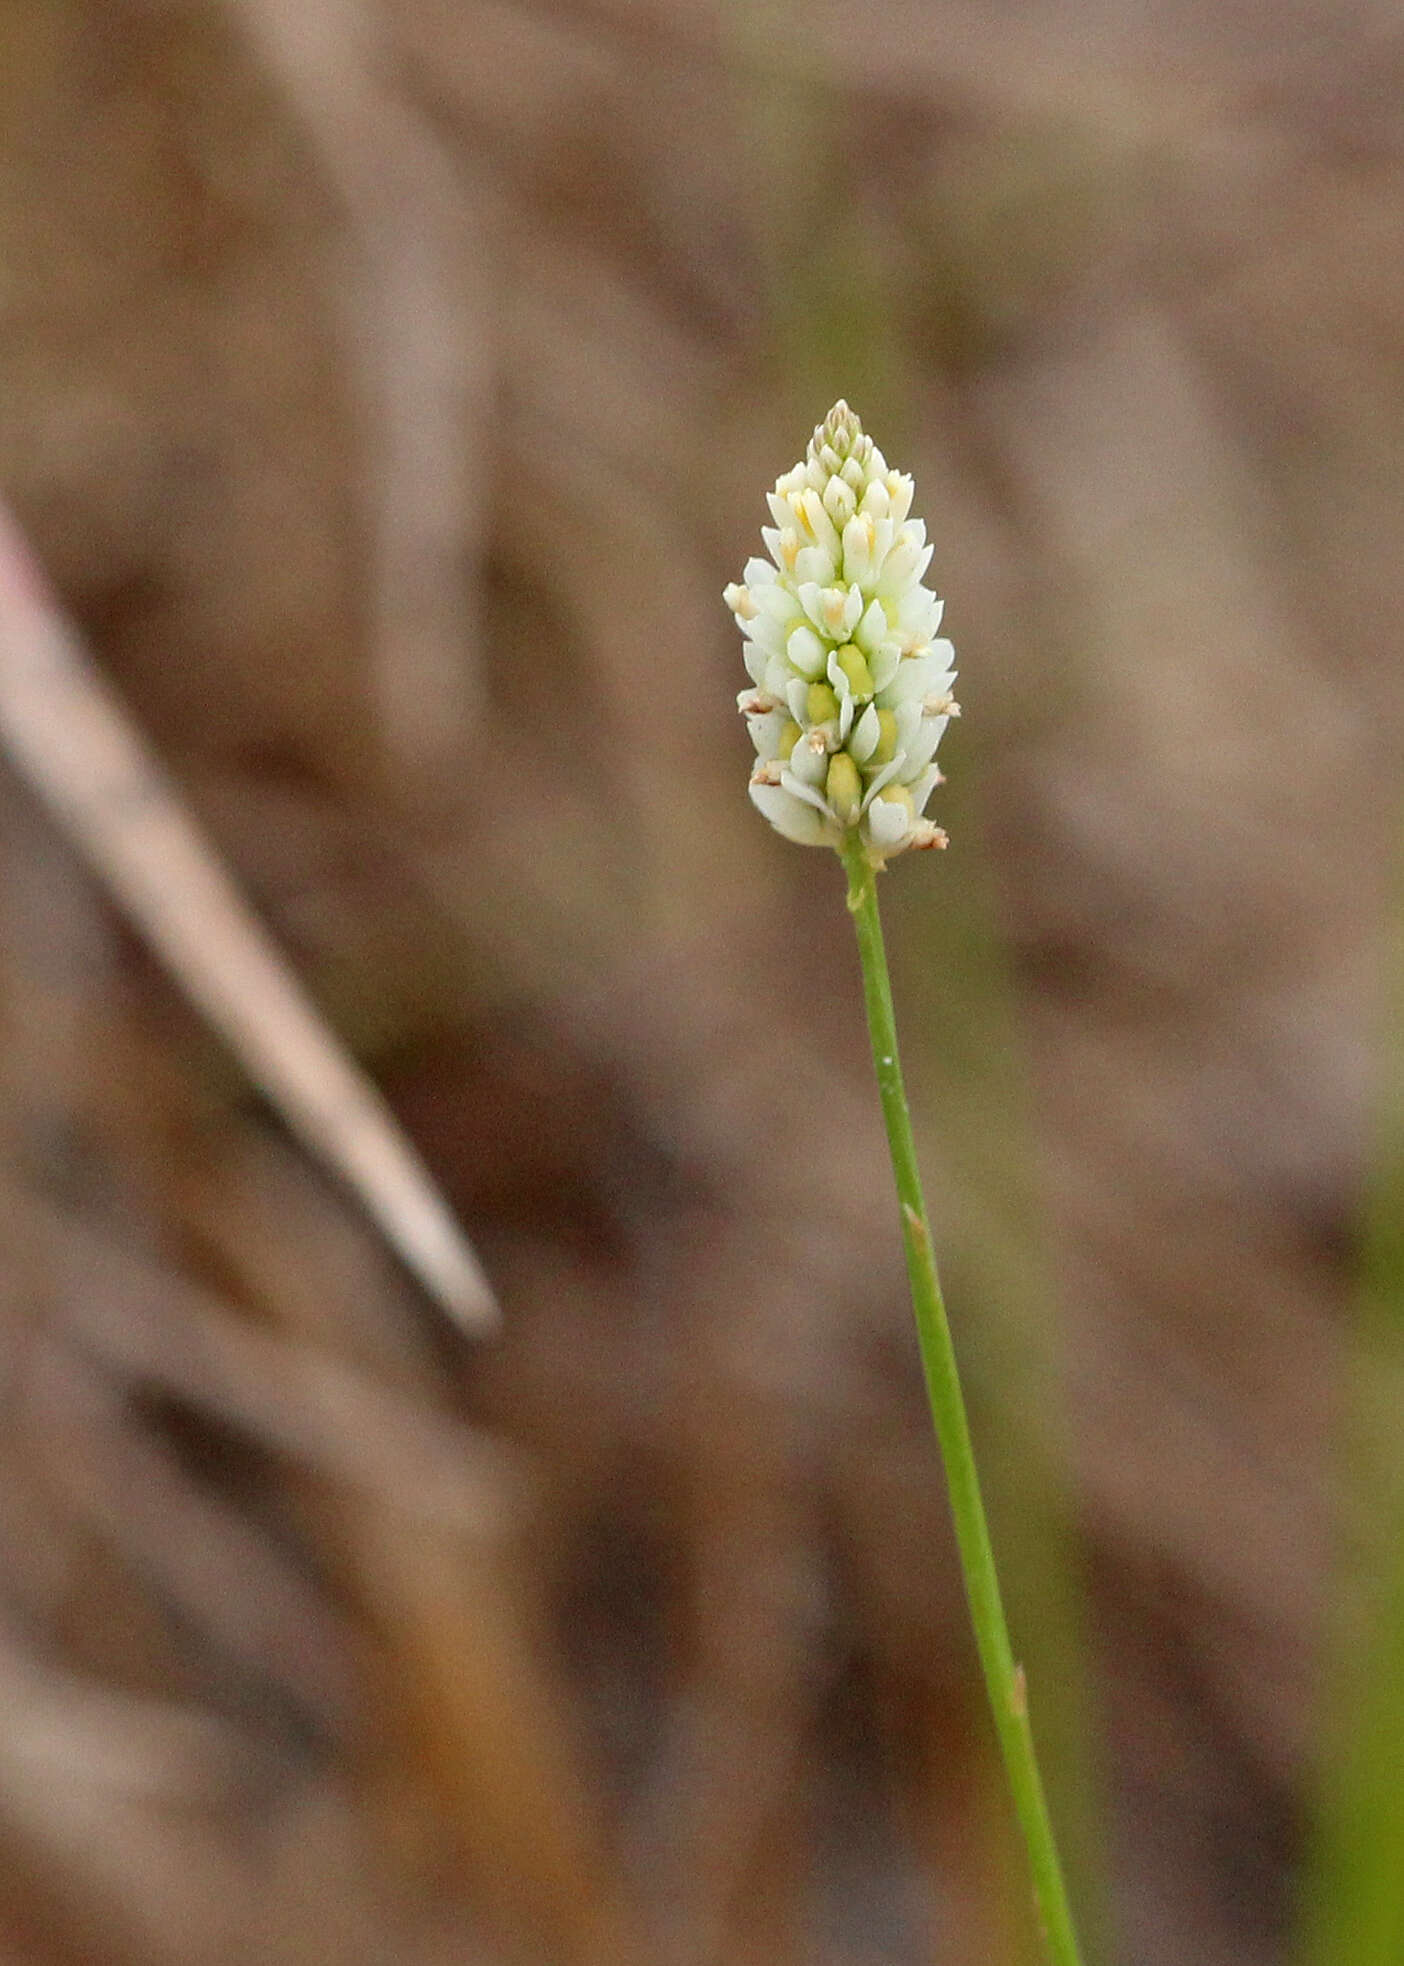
1004	1680
1353	1895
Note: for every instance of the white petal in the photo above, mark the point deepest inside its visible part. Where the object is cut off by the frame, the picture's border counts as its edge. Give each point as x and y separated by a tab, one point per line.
884	532
776	602
809	761
797	696
788	815
816	522
872	628
922	748
918	615
908	723
900	567
888	824
882	666
766	732
777	675
807	652
916	675
923	788
811	598
866	733
884	777
813	563
859	538
806	794
899	491
767	634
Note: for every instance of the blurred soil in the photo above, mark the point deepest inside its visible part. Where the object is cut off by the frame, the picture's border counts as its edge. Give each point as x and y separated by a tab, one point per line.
389	390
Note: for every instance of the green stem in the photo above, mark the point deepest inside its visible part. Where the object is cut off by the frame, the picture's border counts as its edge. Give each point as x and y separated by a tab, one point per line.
1004	1680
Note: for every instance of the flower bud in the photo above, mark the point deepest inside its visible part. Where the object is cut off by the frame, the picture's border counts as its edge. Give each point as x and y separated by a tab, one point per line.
885	750
821	704
843	788
853	665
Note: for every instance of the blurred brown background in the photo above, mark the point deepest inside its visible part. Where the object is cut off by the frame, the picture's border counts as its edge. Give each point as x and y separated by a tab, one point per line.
388	388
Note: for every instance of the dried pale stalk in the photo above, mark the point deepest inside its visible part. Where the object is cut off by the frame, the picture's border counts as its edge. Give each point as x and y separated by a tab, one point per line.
68	734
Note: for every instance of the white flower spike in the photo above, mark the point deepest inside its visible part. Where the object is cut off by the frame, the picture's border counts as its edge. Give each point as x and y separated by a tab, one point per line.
851	687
